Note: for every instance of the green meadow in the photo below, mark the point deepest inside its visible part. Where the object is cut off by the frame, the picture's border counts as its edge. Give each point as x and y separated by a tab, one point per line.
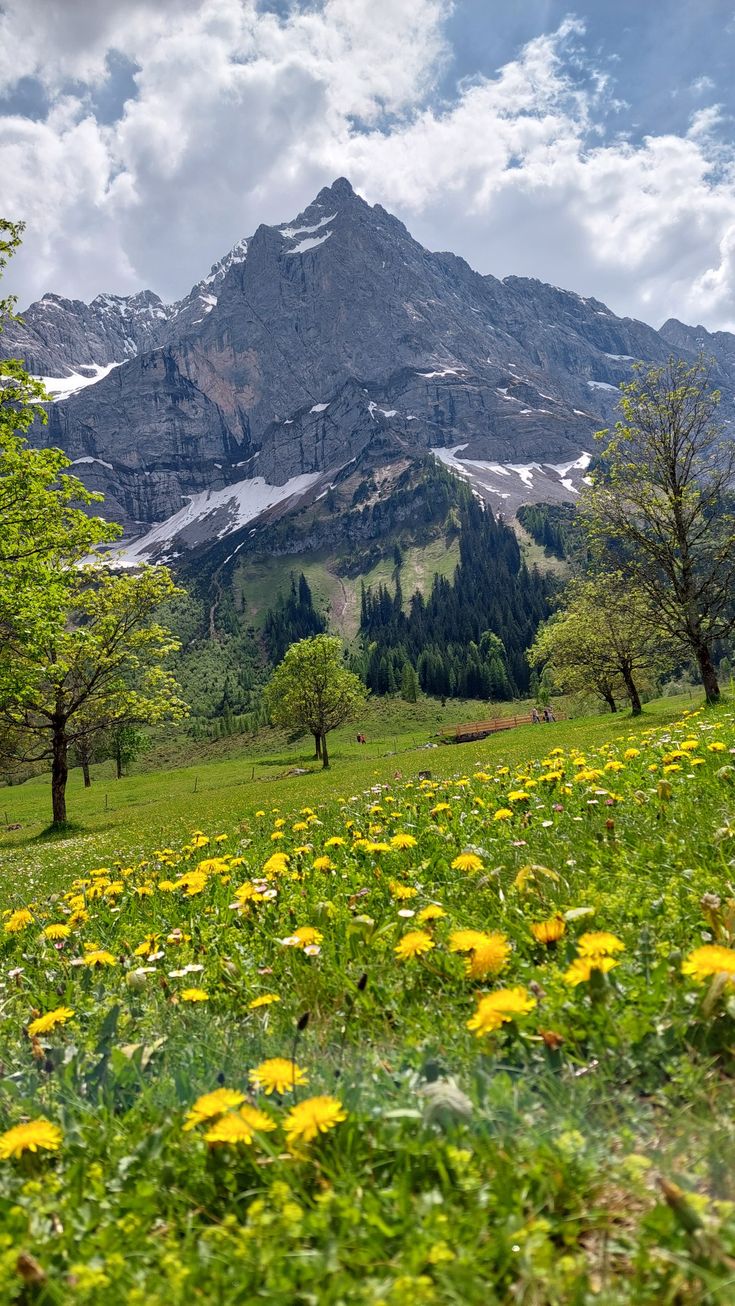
363	1037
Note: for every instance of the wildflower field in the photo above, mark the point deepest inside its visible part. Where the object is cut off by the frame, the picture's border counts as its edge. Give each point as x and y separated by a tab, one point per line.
455	1040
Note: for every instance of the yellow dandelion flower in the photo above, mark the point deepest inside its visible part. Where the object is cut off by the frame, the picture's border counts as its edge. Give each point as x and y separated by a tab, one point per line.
549	931
33	1136
581	968
276	864
431	913
402	841
498	1008
518	796
465	940
99	957
194	995
264	1000
488	957
211	1105
277	1075
630	753
503	814
239	1127
18	920
322	864
467	862
712	959
307	935
149	944
312	1117
598	943
54	932
402	891
716	746
413	944
44	1024
335	842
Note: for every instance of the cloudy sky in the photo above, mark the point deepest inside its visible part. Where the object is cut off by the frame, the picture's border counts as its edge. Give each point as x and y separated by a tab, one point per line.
593	147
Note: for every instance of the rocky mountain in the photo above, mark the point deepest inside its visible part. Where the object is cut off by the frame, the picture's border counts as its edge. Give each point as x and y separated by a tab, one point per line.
311	344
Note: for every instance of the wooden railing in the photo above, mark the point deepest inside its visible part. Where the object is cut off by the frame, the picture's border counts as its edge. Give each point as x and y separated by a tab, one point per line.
480	729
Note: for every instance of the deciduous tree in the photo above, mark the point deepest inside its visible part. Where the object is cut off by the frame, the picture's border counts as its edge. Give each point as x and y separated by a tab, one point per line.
100	667
660	506
313	689
603	641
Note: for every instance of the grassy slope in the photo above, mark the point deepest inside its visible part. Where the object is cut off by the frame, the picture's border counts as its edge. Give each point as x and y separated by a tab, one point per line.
535	556
258	582
579	1153
124	819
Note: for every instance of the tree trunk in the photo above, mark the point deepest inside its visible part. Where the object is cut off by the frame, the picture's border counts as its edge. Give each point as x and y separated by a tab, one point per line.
607	695
59	771
118	762
635	702
708	673
325	754
85	773
317	745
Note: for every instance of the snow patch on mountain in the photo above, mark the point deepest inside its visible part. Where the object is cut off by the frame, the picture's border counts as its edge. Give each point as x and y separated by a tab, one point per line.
548	482
310	242
212	514
61	387
288	233
87	459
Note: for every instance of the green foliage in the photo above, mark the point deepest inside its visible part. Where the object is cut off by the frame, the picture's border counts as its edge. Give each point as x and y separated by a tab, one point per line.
580	1152
554	526
100	668
293	617
442	636
79	653
409	684
603	642
44	533
312	689
660	508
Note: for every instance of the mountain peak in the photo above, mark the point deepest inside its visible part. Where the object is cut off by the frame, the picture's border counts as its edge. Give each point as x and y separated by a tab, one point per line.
339	189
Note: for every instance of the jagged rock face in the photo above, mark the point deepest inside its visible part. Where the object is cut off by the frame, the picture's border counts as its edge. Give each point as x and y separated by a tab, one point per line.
310	339
719	345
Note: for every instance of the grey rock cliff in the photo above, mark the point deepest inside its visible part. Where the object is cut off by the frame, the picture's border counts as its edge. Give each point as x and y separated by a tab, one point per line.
309	338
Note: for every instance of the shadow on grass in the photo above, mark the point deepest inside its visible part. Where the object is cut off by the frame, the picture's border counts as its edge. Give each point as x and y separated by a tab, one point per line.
54	834
61	830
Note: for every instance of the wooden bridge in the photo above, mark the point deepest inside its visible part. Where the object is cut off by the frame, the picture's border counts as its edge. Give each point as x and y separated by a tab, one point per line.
471	730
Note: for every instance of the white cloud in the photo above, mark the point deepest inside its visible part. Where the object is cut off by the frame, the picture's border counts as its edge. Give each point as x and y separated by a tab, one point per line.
241	115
